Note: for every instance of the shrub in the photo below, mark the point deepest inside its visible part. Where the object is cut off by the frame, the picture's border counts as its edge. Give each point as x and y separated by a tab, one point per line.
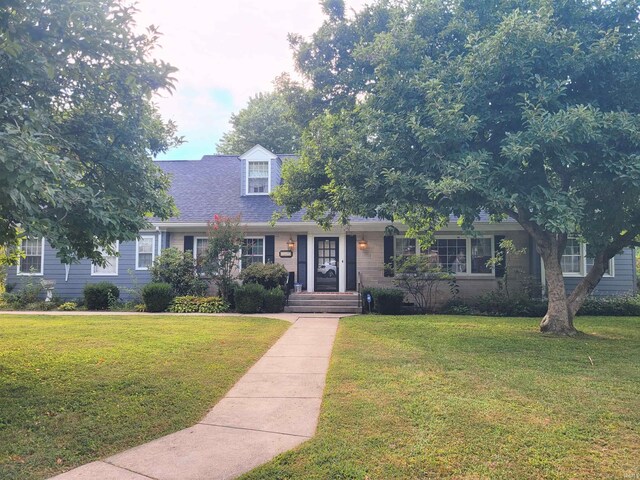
178	269
274	300
269	275
40	305
388	300
191	304
157	296
249	298
68	306
365	305
139	307
611	306
98	296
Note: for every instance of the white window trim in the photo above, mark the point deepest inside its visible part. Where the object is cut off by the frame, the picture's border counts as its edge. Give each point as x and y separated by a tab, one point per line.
33	274
195	246
246	179
117	250
264	244
153	250
583	265
468	255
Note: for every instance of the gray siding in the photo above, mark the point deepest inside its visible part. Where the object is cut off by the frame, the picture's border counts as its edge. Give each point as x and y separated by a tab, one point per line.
80	274
622	283
276	177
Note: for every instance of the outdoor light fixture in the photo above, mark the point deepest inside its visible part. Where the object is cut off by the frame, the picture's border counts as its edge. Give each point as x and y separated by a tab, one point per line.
362	244
290	243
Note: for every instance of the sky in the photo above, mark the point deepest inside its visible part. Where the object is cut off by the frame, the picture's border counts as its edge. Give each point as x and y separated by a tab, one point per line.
226	51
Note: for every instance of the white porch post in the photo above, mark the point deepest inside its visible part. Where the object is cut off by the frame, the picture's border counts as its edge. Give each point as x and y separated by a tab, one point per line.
311	263
342	271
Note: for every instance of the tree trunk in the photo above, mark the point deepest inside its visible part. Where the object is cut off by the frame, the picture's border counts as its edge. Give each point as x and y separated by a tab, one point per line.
588	283
559	317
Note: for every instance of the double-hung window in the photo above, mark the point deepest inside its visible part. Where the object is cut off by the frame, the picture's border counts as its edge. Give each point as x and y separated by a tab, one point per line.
33	261
200	249
145	251
458	255
110	267
252	251
575	263
257	177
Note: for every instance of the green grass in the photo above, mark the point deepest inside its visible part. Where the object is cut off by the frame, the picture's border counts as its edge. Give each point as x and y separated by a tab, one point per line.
77	388
475	398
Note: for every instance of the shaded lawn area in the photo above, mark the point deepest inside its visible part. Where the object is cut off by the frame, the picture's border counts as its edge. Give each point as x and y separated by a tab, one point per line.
76	388
475	398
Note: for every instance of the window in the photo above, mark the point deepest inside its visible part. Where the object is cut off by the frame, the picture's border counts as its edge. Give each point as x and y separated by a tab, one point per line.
257	177
145	252
575	262
452	253
111	263
252	251
201	247
33	261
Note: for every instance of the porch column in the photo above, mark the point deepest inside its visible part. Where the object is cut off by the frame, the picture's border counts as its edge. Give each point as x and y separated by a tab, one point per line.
311	263
342	271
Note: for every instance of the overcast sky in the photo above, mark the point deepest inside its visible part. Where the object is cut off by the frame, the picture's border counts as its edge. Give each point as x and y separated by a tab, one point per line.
226	51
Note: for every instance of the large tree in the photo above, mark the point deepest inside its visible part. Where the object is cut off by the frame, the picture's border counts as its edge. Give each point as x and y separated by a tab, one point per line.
521	108
78	126
267	120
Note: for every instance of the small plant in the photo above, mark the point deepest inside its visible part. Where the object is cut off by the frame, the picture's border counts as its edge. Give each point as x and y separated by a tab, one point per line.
157	296
191	304
420	277
269	275
179	270
388	301
139	307
68	306
98	296
249	298
274	300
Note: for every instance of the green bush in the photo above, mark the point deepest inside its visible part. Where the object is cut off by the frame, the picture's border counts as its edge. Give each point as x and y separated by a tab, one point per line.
274	300
178	269
611	306
41	306
192	304
68	306
388	301
99	296
249	298
157	296
269	275
365	305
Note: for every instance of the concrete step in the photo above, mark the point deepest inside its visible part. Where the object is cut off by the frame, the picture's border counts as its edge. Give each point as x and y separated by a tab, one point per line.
321	309
322	301
324	296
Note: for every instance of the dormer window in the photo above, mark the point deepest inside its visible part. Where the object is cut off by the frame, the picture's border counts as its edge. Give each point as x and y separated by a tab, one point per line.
257	177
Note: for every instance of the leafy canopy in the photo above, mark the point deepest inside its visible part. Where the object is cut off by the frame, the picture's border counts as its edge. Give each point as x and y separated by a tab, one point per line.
78	127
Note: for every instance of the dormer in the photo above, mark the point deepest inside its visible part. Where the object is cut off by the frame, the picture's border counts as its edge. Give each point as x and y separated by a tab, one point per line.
260	171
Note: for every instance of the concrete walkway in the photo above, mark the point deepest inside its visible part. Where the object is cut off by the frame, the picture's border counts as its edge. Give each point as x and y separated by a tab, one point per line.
272	409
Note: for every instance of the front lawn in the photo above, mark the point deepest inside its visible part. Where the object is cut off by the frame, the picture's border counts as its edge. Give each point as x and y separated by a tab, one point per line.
475	398
77	388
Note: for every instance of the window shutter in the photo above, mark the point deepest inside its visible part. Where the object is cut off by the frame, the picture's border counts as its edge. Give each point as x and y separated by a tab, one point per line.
501	266
269	249
188	242
302	261
352	282
388	256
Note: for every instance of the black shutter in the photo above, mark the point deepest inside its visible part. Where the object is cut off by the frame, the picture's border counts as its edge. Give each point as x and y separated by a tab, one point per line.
167	240
269	249
388	256
188	242
302	261
501	266
352	282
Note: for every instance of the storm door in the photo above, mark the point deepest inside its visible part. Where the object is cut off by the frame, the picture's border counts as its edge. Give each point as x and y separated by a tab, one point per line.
326	264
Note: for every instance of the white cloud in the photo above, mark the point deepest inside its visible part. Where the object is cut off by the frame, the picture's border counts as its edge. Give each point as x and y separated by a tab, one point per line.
234	46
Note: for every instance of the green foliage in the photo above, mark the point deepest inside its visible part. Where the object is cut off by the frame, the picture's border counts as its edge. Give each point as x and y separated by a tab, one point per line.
249	298
78	127
220	260
191	304
421	277
68	307
386	301
528	109
100	296
179	270
269	275
157	296
139	307
611	306
274	300
266	120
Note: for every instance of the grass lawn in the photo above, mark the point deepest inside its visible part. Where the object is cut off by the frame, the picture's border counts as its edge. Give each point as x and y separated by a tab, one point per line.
76	388
475	398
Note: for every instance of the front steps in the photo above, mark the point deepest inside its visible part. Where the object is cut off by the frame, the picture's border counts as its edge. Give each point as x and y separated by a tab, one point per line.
323	303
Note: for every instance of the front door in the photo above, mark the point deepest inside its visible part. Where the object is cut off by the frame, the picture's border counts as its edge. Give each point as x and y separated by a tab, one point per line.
326	264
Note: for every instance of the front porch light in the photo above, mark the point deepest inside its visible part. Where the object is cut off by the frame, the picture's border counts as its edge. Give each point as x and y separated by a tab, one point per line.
362	244
291	243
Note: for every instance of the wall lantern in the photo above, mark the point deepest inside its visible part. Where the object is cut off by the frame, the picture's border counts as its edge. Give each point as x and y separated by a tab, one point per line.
362	244
291	243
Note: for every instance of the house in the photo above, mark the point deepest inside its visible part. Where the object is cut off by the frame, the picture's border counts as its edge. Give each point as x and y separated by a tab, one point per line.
322	261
